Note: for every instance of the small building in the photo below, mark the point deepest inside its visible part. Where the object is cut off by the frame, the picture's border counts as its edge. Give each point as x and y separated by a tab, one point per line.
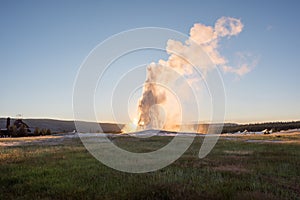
18	126
19	123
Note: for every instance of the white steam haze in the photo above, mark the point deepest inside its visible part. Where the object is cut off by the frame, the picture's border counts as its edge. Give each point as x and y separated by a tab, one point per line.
159	107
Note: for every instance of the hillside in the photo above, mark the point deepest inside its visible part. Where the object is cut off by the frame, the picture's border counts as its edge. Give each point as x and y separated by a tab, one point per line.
57	126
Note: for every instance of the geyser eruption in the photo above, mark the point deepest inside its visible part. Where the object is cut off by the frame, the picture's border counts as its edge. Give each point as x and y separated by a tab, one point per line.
154	98
198	54
149	113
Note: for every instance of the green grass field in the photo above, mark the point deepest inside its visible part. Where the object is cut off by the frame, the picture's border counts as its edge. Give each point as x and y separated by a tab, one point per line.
235	169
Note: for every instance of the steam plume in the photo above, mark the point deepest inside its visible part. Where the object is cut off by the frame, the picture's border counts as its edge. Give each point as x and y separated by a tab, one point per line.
202	39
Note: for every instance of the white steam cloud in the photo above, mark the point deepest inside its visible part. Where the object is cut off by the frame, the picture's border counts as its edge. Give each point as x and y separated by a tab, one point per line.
183	59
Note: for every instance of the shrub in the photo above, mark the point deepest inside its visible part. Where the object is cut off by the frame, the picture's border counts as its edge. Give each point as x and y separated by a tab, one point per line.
36	131
48	132
43	131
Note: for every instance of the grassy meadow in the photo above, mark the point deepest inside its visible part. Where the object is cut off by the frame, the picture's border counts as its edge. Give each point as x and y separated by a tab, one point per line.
235	169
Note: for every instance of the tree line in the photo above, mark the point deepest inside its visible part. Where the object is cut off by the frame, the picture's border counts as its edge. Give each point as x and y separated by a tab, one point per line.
257	127
22	131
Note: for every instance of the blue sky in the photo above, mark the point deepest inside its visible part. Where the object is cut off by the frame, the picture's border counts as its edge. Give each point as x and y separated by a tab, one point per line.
43	43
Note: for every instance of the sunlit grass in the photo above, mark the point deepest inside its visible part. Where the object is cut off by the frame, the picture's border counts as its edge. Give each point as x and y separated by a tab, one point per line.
234	169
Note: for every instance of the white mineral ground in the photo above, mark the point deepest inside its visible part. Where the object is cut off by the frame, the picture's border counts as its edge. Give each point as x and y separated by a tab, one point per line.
279	137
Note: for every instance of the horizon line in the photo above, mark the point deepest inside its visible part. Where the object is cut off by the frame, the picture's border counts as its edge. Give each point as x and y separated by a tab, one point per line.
187	123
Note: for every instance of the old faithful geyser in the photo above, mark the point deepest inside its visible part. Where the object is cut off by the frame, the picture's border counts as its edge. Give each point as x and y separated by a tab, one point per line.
156	107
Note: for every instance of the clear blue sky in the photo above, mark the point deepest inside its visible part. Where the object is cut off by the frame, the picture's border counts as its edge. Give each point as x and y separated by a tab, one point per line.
43	43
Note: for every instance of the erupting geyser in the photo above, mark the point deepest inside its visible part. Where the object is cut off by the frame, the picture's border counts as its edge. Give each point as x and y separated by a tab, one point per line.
158	107
149	114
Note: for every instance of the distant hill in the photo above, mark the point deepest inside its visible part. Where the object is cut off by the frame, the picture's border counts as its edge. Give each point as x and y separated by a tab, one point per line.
57	126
